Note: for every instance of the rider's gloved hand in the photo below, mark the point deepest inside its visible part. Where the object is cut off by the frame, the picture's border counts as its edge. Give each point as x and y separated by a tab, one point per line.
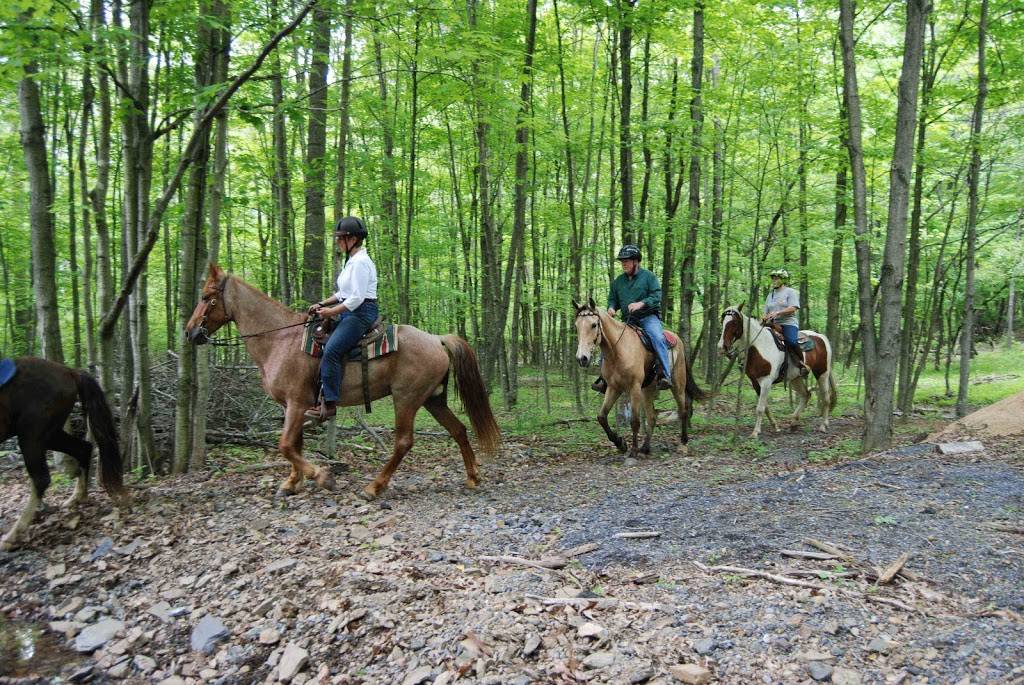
314	309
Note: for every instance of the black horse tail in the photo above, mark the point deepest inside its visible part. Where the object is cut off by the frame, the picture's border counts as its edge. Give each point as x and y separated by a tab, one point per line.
692	390
469	386
101	424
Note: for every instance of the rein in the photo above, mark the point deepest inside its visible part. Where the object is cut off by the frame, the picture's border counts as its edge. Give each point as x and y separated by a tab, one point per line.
600	326
743	327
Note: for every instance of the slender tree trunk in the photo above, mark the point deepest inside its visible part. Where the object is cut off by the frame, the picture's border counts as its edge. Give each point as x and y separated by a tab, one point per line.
314	236
672	194
687	281
880	368
410	205
282	185
340	210
625	112
44	252
714	300
967	334
389	189
98	201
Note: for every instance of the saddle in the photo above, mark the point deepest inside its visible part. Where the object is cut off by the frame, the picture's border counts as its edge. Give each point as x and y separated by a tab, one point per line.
671	339
7	371
803	342
379	340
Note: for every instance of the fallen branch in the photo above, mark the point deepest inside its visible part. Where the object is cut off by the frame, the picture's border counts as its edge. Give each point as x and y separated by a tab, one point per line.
892	569
870	572
581	550
801	554
786	580
596	603
550	564
638	535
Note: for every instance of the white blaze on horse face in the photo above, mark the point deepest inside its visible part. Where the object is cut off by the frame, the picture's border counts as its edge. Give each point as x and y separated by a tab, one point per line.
729	318
586	331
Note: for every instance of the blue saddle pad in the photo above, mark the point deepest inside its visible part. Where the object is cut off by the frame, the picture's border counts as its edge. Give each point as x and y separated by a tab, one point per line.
7	370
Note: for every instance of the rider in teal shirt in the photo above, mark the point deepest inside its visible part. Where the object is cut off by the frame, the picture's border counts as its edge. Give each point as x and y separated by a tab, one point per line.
637	294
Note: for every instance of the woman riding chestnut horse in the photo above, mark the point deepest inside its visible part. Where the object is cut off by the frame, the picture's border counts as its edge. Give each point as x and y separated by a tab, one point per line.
416	375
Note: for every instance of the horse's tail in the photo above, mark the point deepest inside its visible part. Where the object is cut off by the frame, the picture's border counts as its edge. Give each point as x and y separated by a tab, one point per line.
833	391
101	424
692	390
469	386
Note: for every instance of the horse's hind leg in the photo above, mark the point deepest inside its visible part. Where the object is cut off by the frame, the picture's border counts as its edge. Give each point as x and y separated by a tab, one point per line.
81	450
39	473
444	416
824	399
803	393
405	413
650	417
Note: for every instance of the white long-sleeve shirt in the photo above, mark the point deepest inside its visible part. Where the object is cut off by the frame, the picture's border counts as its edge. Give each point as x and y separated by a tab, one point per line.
357	281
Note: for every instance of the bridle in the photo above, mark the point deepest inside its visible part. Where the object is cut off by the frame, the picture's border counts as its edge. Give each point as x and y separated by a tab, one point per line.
738	316
587	311
203	334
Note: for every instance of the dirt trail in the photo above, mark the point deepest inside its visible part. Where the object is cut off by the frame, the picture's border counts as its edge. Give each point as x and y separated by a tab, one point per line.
323	587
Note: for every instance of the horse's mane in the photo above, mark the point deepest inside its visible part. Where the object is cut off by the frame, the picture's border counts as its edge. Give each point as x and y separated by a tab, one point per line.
280	306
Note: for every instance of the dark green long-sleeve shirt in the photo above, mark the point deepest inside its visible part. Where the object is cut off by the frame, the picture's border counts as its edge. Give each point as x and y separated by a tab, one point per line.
642	287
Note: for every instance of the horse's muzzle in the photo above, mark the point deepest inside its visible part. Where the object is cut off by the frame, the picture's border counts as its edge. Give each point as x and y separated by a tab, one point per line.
198	336
583	361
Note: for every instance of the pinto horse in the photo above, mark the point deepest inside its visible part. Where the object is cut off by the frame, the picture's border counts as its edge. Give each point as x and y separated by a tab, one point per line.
415	375
34	405
764	363
624	366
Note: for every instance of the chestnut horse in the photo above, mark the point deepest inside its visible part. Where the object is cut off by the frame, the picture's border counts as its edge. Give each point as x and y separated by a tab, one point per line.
764	361
415	376
624	366
34	405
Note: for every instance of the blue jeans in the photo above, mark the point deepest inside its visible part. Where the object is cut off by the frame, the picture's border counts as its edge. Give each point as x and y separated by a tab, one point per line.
351	327
652	326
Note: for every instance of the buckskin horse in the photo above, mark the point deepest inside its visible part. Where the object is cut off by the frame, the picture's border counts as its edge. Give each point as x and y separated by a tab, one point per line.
36	398
625	365
415	375
765	362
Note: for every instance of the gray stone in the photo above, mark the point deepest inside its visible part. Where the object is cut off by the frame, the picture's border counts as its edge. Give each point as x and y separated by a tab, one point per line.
691	673
207	633
97	635
846	676
531	645
964	447
269	637
144	663
417	676
280	565
704	646
161	610
102	549
819	671
599	660
882	644
293	660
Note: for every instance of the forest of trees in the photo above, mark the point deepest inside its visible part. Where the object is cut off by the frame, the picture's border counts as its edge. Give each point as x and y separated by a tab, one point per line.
500	153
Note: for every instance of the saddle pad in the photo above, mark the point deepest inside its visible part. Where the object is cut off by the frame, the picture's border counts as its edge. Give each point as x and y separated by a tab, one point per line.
806	343
671	339
385	344
7	370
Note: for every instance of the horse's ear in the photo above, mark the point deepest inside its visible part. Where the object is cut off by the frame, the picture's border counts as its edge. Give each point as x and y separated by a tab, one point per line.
740	308
216	273
576	305
593	305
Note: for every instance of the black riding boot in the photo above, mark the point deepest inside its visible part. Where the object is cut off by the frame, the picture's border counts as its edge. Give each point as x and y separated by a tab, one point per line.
600	385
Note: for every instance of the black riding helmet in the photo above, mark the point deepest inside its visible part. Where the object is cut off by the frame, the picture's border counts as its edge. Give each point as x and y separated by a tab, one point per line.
629	252
350	225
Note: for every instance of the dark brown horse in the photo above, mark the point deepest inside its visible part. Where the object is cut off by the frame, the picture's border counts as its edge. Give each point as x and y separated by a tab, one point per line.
416	375
34	405
624	365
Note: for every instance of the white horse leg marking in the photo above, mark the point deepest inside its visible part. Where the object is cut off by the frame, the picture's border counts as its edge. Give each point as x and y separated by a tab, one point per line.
27	514
824	398
762	405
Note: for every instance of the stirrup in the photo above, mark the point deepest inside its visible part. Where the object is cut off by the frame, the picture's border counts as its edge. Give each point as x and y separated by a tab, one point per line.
320	413
664	383
600	385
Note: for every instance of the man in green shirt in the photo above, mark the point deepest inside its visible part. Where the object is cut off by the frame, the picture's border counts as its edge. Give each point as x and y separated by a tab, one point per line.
637	293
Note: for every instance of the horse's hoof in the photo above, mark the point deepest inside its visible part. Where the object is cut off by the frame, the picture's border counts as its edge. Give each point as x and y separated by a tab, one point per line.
284	492
471	484
369	493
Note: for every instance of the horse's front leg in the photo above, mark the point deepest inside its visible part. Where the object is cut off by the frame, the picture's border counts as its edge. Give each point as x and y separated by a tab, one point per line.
39	473
765	384
611	395
290	445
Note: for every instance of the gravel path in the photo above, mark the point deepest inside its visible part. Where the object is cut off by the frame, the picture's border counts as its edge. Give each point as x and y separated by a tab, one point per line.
323	587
